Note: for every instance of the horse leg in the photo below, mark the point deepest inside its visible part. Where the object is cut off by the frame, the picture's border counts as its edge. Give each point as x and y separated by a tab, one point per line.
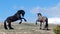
5	26
40	25
36	22
20	21
24	19
9	25
46	26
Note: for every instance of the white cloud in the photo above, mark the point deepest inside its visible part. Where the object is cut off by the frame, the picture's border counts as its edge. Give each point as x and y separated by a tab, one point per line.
37	10
52	11
54	20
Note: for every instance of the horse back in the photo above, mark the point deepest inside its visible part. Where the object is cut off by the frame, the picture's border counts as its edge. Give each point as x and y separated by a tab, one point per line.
12	18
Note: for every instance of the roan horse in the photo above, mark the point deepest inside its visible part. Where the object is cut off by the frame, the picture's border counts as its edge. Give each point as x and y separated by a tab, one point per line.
42	19
18	16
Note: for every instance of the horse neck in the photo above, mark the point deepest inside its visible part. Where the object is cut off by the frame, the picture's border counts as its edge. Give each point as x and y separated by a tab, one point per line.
17	13
39	17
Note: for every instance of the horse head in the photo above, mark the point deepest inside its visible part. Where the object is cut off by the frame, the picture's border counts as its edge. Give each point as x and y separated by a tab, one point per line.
22	12
39	14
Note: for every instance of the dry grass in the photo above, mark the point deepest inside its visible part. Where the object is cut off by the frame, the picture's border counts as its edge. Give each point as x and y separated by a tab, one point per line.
25	28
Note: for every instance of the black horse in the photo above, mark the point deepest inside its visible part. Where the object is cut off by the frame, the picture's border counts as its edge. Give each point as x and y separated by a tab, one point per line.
18	16
42	19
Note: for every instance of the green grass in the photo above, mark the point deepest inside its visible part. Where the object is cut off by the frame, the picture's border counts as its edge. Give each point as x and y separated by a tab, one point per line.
57	29
25	28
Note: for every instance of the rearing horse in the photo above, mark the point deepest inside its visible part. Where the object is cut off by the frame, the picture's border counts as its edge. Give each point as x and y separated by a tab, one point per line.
42	19
18	16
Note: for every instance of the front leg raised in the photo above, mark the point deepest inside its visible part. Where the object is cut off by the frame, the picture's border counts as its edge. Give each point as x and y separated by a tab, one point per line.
24	19
20	21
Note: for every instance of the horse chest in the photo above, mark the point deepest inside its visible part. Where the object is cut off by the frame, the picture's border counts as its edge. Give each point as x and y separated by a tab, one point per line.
39	17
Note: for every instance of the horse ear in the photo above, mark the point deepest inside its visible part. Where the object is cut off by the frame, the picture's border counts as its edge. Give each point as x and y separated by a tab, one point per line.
39	14
20	11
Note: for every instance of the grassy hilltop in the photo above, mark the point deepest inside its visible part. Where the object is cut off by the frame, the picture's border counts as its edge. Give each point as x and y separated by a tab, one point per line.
26	28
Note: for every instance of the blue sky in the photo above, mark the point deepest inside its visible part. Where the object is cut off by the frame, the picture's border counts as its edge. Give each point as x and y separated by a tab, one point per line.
49	8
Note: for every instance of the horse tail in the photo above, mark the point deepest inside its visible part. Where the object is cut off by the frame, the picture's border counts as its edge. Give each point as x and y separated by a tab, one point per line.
5	26
46	23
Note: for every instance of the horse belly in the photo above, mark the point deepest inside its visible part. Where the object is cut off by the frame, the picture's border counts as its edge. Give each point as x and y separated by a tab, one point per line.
13	19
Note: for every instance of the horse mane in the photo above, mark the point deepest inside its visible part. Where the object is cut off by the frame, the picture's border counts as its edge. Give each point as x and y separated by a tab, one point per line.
39	14
19	12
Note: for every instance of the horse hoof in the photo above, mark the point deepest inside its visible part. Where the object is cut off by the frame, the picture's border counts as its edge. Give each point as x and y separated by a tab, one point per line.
25	20
43	29
19	23
11	28
48	29
6	29
36	23
40	28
